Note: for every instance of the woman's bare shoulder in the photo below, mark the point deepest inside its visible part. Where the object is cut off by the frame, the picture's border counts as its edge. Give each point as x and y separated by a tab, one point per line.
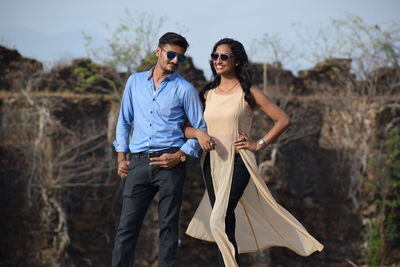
255	90
206	93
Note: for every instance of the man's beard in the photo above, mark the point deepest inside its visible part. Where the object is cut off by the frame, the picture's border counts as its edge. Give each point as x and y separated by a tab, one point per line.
170	68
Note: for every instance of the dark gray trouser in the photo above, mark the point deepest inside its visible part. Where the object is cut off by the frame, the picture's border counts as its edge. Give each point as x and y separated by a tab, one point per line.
240	179
141	185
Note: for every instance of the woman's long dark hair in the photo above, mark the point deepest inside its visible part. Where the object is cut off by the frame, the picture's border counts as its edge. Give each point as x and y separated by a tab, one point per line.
242	70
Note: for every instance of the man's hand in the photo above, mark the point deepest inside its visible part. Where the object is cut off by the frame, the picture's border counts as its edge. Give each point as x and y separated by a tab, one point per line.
167	160
123	168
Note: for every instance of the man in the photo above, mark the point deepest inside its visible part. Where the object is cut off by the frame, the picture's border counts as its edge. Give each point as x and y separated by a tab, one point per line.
157	102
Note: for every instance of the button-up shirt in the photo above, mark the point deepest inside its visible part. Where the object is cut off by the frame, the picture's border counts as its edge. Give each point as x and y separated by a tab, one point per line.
158	114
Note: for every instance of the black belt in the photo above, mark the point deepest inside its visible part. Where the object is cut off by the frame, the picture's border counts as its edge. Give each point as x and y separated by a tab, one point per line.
153	154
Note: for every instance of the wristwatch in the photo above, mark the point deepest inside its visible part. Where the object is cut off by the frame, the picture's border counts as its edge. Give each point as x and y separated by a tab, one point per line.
182	157
261	142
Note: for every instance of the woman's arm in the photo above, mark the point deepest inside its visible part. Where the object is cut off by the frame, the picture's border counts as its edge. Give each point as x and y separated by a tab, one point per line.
205	141
280	118
190	132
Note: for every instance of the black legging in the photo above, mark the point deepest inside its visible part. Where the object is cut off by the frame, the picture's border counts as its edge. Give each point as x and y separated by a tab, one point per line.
240	180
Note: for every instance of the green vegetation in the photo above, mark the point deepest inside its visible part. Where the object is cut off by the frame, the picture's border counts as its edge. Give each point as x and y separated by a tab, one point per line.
131	41
87	73
368	46
89	77
373	252
382	232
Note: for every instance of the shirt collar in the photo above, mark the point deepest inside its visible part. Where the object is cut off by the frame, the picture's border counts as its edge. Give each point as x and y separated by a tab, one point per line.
170	77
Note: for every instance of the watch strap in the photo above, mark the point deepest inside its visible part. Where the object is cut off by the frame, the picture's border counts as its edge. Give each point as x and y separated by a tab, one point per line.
261	142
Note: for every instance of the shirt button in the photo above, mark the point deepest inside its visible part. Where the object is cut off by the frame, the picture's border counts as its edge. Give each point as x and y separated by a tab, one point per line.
151	112
149	137
150	124
154	99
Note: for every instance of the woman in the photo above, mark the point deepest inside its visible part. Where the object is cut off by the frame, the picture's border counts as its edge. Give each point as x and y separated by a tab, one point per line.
237	210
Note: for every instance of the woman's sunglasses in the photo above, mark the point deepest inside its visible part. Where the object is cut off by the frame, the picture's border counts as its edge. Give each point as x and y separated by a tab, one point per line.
223	57
171	55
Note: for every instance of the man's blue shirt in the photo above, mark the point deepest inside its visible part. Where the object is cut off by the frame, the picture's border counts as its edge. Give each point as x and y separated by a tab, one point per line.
158	115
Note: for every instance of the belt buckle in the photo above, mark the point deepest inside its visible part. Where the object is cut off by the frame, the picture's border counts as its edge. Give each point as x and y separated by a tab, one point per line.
151	154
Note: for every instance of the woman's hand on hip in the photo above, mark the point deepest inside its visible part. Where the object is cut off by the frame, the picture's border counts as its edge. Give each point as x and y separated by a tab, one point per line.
244	142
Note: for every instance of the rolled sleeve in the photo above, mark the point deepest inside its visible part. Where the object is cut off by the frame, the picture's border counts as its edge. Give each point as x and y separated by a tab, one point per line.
191	148
120	148
125	118
194	113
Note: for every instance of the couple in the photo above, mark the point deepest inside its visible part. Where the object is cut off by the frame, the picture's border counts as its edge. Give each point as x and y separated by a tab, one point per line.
237	210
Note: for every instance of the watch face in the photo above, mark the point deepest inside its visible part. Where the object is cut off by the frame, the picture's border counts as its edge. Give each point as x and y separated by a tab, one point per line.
183	158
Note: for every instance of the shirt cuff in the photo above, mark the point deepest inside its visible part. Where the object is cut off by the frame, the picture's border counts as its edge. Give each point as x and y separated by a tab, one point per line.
120	147
191	148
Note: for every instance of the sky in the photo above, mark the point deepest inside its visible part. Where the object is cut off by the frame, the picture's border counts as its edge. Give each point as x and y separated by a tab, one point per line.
51	30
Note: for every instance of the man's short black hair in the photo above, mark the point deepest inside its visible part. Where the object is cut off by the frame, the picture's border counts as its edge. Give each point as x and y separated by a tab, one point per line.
173	38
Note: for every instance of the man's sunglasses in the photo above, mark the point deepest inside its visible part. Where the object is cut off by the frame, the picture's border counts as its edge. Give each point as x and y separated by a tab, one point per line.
223	57
171	55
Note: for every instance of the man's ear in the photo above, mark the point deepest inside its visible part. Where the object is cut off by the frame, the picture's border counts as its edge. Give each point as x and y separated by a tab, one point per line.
158	51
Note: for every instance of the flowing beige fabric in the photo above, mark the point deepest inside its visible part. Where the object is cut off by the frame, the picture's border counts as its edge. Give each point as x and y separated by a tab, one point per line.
260	221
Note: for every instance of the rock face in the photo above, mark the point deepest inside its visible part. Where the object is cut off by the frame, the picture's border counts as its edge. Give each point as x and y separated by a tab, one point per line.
276	77
15	69
192	74
59	187
82	76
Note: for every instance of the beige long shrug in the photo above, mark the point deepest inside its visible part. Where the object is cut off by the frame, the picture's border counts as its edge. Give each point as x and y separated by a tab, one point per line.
260	221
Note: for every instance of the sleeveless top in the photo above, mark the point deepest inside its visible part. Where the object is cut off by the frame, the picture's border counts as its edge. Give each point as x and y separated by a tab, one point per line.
260	221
